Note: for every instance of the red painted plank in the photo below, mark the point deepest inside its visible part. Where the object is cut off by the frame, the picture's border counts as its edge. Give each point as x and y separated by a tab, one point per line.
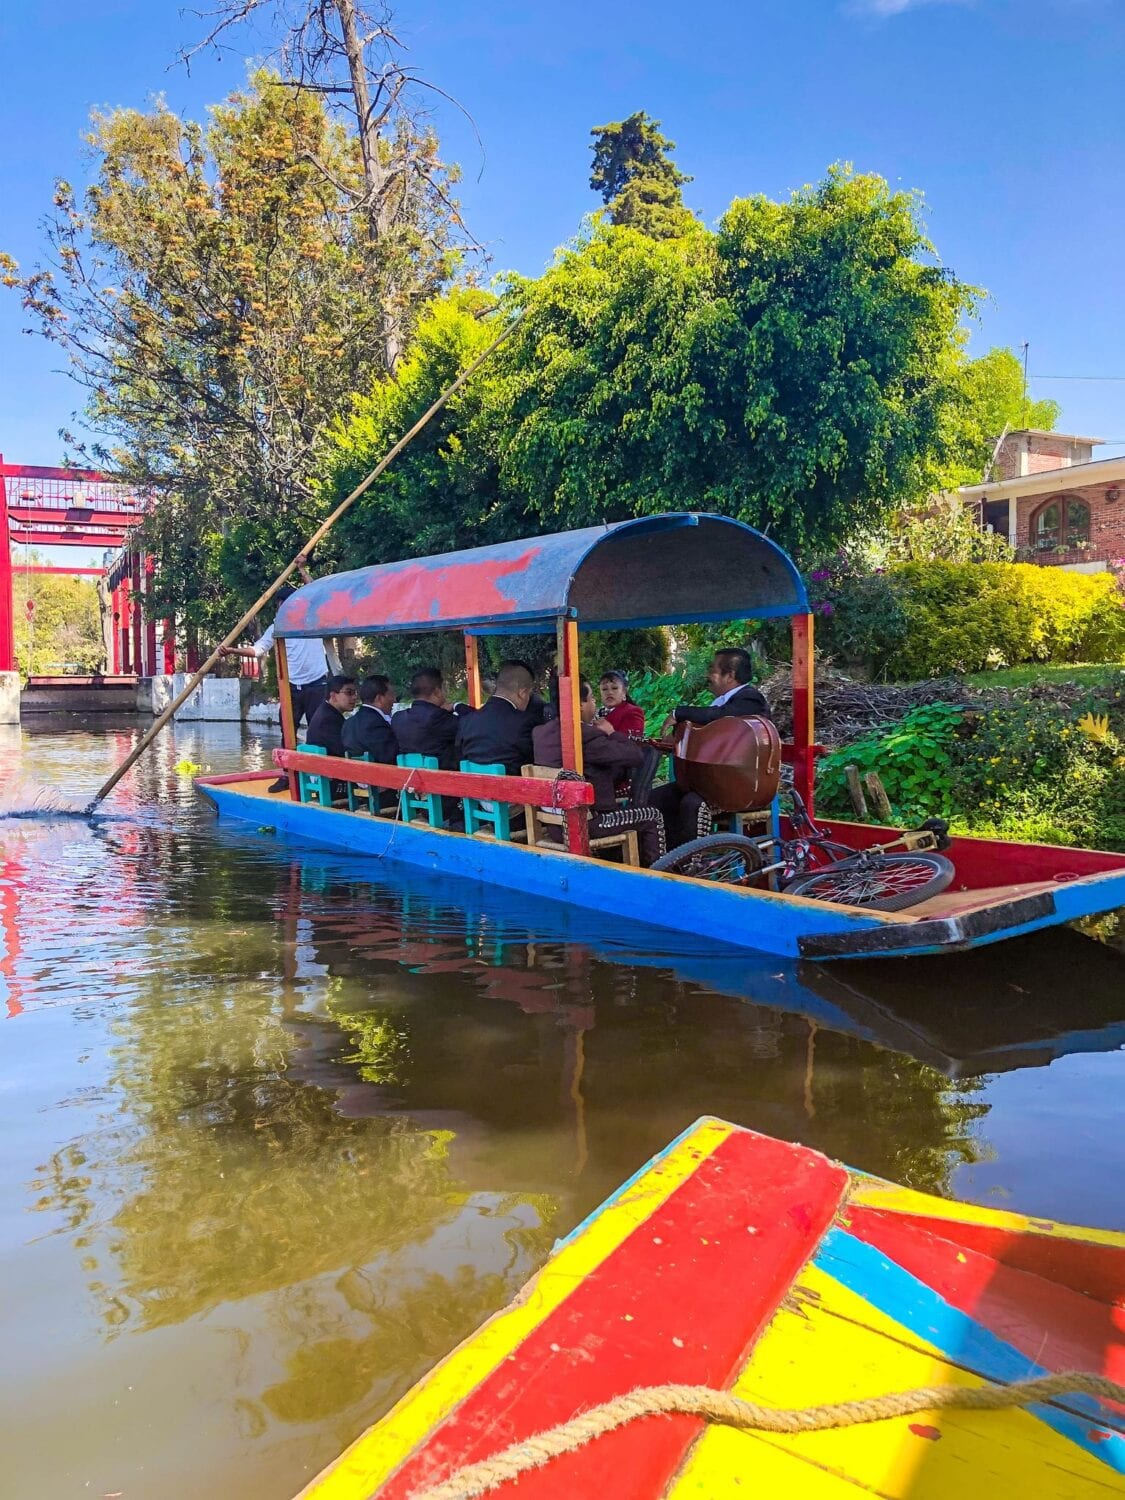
981	863
1095	1270
515	789
1052	1323
681	1300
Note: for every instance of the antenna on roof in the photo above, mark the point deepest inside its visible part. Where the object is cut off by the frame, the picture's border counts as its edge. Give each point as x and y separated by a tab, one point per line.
1024	347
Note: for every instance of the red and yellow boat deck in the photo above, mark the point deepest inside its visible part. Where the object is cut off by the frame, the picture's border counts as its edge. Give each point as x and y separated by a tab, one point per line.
737	1261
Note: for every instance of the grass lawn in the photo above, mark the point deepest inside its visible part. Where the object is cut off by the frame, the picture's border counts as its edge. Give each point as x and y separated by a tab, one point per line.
1087	674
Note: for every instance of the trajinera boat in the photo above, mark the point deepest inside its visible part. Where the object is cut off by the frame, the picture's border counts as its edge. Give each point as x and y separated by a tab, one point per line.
678	568
748	1265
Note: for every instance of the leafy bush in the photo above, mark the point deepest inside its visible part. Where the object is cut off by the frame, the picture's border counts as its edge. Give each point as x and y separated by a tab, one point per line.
1025	768
1037	770
658	693
914	760
928	619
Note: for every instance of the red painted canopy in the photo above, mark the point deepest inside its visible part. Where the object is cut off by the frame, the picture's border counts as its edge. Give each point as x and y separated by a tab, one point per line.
673	569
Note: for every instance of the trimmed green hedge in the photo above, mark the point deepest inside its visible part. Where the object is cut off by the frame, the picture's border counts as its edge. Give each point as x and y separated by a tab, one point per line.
930	619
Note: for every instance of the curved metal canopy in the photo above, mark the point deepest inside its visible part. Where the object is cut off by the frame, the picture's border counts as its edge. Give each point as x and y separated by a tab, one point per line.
675	569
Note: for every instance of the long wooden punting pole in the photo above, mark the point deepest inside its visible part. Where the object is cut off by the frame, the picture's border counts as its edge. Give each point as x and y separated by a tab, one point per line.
317	537
804	708
577	822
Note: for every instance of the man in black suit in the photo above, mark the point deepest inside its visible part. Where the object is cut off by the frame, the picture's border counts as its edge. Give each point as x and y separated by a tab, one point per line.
500	732
368	731
686	815
427	727
326	727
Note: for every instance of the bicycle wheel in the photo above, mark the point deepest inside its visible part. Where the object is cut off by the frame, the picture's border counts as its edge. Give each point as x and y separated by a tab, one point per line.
884	882
724	857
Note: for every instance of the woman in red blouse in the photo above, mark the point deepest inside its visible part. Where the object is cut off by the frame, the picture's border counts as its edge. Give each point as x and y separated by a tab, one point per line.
626	716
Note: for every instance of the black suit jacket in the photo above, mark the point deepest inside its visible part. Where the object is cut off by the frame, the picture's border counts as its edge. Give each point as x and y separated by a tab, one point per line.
326	729
368	733
497	734
747	703
425	729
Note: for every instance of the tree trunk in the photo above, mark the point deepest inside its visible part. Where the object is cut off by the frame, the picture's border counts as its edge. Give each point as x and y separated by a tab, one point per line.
380	211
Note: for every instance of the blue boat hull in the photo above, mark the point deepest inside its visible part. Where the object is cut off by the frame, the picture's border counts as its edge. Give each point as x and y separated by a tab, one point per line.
759	921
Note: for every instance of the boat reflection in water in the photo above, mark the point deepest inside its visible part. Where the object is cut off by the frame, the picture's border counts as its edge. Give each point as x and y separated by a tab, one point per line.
879	1064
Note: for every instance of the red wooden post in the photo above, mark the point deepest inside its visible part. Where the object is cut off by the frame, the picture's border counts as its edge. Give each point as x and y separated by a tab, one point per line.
126	627
7	622
194	659
472	670
115	629
169	647
577	822
138	663
804	694
150	618
288	724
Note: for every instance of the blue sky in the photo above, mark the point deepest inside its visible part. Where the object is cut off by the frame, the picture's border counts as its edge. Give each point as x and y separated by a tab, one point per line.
1006	114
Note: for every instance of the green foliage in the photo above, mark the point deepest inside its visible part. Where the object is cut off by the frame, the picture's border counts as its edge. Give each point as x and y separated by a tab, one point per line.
780	370
929	619
987	396
1031	764
64	630
441	493
658	692
219	300
944	531
915	761
637	179
1024	768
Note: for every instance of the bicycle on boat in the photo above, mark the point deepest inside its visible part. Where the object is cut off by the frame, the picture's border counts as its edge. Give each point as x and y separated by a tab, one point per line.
810	864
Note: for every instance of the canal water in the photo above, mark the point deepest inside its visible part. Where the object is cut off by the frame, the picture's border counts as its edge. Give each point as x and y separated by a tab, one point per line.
279	1127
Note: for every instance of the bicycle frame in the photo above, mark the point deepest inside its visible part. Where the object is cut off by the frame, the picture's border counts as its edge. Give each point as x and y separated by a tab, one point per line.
795	853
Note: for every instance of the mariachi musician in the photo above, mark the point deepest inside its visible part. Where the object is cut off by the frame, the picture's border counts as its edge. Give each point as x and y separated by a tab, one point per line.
686	814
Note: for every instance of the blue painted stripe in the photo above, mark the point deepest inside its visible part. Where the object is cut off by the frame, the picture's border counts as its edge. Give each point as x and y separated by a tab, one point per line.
754	920
920	1309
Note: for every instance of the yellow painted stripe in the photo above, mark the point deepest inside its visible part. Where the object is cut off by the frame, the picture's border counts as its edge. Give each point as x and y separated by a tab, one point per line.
827	1343
374	1456
872	1192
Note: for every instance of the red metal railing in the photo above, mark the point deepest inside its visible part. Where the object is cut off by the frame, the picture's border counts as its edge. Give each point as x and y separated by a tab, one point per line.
567	797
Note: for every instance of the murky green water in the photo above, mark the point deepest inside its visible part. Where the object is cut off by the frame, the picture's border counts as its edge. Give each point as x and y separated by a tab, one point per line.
279	1128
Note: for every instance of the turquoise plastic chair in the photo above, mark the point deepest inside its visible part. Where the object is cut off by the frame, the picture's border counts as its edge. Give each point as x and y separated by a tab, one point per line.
312	787
493	816
420	804
357	792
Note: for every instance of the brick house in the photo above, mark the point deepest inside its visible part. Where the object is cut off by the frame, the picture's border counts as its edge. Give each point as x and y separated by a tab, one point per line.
1054	502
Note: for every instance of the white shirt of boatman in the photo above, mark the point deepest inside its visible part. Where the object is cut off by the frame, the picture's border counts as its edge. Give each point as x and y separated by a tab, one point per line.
306	658
726	697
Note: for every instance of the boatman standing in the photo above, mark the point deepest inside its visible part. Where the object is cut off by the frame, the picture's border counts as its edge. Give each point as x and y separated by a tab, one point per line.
308	662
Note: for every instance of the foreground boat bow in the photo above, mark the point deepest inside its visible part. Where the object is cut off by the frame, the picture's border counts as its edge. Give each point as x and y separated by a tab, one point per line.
745	1263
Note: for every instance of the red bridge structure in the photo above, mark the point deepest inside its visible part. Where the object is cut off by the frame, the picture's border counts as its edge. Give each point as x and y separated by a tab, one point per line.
65	507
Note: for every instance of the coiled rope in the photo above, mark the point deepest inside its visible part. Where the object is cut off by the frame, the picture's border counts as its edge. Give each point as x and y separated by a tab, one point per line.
727	1410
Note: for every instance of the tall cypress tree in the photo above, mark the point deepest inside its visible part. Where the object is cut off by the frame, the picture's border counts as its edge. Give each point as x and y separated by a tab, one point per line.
637	179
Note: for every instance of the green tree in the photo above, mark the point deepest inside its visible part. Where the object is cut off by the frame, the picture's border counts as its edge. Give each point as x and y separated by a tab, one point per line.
789	370
792	369
347	53
219	299
63	627
988	398
637	179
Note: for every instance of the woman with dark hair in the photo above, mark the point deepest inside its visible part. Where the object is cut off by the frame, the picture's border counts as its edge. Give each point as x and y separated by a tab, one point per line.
626	716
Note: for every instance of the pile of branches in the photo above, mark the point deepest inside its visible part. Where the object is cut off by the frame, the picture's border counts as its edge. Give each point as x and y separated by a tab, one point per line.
847	709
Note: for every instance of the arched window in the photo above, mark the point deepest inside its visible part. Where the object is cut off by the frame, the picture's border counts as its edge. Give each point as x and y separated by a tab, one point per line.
1060	523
